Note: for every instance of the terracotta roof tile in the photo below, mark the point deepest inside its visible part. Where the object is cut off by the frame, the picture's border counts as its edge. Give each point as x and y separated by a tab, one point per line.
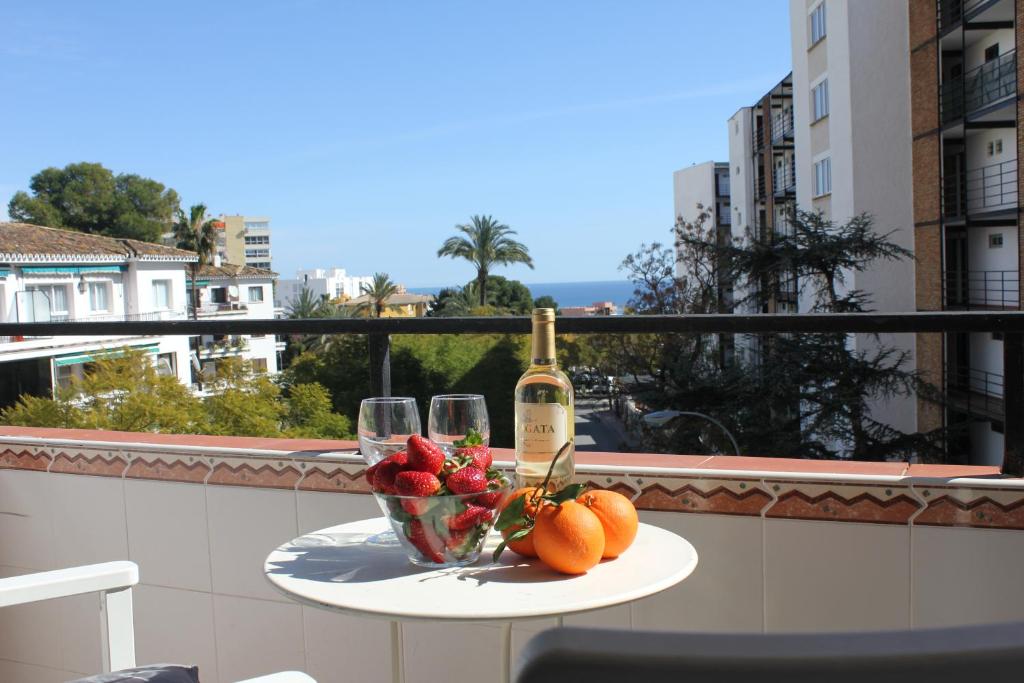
23	241
232	271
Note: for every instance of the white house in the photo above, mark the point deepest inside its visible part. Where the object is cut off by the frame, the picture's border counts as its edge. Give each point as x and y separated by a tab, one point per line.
331	283
232	291
48	274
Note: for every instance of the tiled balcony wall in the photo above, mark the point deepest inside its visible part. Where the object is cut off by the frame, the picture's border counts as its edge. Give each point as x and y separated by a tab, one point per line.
785	545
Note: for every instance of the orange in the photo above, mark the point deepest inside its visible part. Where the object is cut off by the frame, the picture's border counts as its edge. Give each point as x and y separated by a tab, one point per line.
524	546
568	537
618	518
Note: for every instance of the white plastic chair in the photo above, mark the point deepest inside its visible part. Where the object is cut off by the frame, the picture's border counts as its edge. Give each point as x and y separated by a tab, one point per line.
113	581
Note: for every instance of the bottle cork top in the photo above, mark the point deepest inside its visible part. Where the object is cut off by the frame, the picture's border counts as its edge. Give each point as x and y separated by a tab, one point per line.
541	315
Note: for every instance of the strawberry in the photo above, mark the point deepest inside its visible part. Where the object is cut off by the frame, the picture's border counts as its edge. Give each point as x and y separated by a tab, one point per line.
424	455
426	540
456	540
479	456
467	480
491	499
387	469
417	507
416	483
370	471
470	517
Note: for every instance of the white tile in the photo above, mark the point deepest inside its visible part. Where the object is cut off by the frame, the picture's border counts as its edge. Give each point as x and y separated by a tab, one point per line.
342	648
725	592
80	637
26	520
836	576
88	519
318	510
256	637
429	657
610	617
175	626
523	631
167	534
17	672
29	633
245	525
966	576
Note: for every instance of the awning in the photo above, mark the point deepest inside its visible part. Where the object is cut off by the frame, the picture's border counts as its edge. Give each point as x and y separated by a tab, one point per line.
69	270
90	356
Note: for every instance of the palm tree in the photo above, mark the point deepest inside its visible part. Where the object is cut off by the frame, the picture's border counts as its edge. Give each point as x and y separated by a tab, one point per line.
485	244
308	305
377	294
195	232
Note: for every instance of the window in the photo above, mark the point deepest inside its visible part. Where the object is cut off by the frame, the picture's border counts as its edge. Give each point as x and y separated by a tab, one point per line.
99	297
995	240
257	225
819	97
818	23
823	177
259	365
47	298
257	239
161	295
257	253
256	294
166	365
992	52
219	295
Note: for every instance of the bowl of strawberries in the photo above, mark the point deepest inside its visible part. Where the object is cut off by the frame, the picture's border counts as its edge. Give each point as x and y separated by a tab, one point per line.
440	507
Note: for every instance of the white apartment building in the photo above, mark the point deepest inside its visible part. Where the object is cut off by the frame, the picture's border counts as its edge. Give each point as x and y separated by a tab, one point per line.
62	275
851	109
329	283
229	291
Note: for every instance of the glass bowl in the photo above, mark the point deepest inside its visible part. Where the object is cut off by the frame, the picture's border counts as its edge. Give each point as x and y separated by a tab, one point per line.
443	531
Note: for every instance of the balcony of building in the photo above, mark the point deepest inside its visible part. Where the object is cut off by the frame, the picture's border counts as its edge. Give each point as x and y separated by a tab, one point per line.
221	309
983	94
975	392
981	289
954	16
981	193
782	127
784	177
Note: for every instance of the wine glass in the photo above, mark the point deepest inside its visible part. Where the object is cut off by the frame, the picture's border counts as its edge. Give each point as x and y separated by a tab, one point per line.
385	424
453	417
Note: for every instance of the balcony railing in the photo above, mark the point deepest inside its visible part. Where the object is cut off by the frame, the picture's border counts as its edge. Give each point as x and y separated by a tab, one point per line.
981	289
782	127
952	12
95	318
976	392
991	188
989	83
784	180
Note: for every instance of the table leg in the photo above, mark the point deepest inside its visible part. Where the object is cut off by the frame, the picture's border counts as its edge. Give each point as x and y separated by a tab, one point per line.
397	659
506	652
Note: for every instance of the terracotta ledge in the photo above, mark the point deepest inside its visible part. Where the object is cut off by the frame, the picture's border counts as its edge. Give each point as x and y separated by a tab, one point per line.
299	447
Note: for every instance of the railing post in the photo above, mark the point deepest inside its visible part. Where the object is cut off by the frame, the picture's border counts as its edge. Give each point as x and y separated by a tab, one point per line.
380	364
117	636
1013	404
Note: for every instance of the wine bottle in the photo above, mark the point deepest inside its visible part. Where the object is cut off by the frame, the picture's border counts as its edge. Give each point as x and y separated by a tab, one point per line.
544	411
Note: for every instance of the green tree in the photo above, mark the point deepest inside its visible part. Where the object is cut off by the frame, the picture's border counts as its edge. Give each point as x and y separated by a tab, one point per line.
243	403
307	305
546	301
504	297
485	243
195	232
309	414
90	198
377	293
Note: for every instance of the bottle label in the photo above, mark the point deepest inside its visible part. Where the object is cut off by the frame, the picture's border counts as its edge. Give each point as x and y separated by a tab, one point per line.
540	429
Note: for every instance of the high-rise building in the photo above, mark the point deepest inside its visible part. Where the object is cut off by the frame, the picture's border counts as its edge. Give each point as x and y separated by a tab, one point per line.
323	283
853	150
703	185
245	240
965	126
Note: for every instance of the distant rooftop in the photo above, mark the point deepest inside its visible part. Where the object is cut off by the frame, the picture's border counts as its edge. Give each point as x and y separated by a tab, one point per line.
231	271
24	242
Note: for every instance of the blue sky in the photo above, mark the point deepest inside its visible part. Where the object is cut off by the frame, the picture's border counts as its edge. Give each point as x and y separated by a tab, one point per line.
366	131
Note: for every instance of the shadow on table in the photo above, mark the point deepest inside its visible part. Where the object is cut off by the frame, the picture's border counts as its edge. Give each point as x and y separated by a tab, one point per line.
344	558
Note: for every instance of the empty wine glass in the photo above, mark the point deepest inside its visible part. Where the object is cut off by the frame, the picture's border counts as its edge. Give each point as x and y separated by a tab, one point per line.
453	417
385	424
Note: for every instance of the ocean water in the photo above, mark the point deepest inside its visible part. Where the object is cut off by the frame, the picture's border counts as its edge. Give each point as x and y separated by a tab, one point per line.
570	293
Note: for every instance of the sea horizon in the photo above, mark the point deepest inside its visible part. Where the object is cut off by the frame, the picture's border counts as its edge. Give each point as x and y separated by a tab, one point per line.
565	294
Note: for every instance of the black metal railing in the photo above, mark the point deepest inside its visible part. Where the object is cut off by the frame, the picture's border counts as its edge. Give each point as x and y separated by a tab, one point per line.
991	188
981	289
976	392
987	84
378	331
758	138
952	12
954	195
760	186
782	127
784	180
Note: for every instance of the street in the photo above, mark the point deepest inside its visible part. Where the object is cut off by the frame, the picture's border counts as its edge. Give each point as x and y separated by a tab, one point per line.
597	428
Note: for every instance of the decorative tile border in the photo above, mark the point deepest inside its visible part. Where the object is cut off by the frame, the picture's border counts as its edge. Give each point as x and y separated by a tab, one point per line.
840	496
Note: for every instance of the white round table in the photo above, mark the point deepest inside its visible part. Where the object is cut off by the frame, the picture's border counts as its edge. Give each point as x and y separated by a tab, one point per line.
335	569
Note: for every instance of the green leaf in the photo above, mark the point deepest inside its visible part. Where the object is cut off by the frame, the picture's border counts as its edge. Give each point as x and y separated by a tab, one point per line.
522	533
570	492
512	515
473	438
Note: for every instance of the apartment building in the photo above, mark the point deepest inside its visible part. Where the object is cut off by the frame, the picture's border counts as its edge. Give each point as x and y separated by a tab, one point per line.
703	185
244	240
50	275
229	291
323	283
966	185
851	118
